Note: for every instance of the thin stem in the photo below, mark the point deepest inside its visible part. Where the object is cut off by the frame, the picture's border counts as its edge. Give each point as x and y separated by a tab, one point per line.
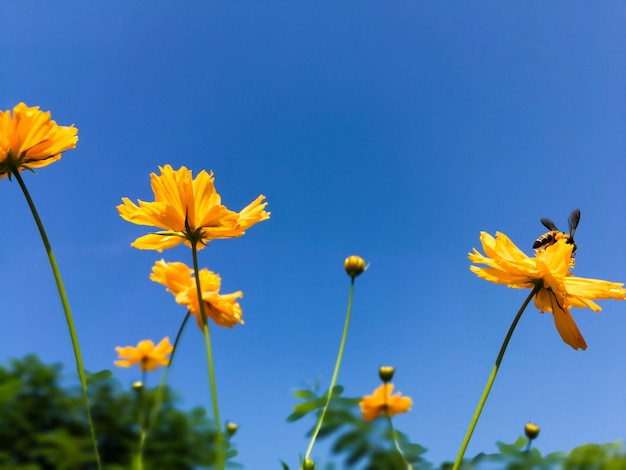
66	309
219	440
492	377
137	462
158	395
528	444
333	381
142	401
394	438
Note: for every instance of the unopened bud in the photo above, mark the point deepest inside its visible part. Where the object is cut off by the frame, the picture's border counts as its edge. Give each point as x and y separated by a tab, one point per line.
138	386
386	373
531	430
231	428
354	265
308	464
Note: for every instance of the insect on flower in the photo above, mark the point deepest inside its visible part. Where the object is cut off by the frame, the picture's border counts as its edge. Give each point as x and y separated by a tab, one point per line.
550	238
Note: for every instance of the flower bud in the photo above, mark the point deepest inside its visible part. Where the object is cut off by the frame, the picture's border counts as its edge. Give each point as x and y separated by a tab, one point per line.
386	373
138	386
308	464
531	430
231	428
354	265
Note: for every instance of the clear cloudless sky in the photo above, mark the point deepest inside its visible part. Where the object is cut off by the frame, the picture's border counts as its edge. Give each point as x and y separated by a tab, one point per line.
394	130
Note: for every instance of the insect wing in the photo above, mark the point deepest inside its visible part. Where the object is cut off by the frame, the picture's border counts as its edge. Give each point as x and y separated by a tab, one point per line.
547	223
574	219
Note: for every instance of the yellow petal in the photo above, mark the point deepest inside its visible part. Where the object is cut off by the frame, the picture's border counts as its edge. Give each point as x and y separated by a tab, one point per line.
566	326
179	280
189	208
549	269
158	242
30	139
145	354
382	403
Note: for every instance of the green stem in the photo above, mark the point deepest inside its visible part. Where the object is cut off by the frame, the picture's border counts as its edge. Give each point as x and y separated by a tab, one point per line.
394	438
142	401
219	439
528	444
137	462
492	377
158	395
66	309
333	381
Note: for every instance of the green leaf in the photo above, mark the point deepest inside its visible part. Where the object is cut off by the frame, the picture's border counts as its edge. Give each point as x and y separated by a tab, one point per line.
347	441
305	394
101	375
357	454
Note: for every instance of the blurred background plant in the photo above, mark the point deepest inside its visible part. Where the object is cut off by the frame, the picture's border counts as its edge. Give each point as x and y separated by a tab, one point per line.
357	442
610	456
43	426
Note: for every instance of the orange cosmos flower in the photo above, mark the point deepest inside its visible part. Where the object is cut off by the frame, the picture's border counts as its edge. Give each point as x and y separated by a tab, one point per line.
30	139
383	403
188	210
179	280
146	354
550	270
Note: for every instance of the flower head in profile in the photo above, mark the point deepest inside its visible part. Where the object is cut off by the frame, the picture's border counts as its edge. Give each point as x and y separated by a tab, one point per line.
30	139
146	354
178	278
188	210
383	403
549	272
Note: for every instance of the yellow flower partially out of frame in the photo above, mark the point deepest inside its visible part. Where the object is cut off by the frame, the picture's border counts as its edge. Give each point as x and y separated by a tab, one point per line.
179	280
146	354
188	209
383	403
30	139
550	270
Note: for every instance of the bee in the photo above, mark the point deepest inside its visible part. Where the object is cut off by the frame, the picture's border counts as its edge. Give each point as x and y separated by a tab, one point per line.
550	238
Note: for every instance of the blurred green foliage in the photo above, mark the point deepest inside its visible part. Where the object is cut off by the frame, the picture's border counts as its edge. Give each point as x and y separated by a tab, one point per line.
357	442
43	424
518	456
369	446
43	427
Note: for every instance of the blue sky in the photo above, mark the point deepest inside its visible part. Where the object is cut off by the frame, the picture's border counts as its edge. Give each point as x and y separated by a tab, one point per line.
393	130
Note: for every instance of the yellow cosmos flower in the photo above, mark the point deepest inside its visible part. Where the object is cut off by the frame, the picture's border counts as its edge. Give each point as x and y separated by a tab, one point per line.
179	280
146	354
188	210
549	270
383	403
30	139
